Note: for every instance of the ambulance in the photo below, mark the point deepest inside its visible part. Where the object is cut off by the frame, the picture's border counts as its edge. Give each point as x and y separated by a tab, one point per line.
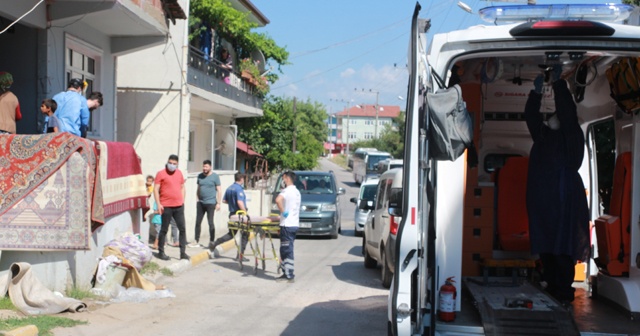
467	221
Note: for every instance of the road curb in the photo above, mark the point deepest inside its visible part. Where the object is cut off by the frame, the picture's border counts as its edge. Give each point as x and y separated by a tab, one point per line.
183	265
30	330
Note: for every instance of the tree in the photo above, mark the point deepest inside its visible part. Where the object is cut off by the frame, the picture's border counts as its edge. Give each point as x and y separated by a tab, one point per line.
272	134
631	2
235	27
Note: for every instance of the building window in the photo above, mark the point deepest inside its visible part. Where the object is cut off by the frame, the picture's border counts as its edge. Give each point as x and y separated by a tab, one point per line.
352	135
368	135
353	122
82	60
368	122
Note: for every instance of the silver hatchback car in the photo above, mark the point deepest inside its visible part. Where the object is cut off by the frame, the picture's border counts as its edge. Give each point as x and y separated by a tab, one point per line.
367	191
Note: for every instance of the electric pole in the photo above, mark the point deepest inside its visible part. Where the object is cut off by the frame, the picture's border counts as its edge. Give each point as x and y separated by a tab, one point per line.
295	127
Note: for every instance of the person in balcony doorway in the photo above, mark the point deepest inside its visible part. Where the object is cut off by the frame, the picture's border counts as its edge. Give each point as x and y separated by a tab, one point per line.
556	200
9	105
226	64
289	205
74	109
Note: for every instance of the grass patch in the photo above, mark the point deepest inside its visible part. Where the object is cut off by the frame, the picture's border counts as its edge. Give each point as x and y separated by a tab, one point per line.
340	160
80	294
152	268
44	323
6	304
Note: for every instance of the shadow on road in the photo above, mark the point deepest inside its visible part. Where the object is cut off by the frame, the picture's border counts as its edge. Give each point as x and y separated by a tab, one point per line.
353	272
248	270
356	251
364	316
350	184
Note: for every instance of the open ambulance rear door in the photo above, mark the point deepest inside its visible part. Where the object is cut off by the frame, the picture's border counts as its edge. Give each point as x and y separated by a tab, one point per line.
411	298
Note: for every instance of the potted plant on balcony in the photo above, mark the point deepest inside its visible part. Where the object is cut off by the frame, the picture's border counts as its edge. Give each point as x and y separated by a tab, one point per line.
250	72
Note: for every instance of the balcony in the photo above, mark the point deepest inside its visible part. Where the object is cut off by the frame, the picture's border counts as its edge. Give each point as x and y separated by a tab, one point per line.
207	75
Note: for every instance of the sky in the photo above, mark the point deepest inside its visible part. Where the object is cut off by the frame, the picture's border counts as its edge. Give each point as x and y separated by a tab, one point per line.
344	51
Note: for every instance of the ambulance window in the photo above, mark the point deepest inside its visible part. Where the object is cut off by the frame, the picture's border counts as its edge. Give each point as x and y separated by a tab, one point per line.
493	162
605	145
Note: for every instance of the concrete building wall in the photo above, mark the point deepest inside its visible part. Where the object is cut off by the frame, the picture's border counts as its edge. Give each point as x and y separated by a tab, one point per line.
60	270
97	45
21	61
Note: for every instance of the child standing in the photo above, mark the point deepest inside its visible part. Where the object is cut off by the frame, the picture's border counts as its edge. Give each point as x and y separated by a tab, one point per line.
51	122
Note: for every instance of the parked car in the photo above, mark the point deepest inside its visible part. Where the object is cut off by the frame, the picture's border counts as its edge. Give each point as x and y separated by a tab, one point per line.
381	228
320	200
367	191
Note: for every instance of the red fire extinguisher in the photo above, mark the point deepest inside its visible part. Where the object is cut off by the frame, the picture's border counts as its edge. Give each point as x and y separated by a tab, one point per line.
447	298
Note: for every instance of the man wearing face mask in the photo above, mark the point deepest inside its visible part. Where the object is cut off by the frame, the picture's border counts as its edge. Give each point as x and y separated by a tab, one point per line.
169	194
556	200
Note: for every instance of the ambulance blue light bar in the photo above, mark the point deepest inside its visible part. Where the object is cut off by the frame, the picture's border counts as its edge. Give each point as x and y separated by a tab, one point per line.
532	13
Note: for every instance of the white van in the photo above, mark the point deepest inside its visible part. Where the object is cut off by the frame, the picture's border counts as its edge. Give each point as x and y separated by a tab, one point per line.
379	237
451	217
387	164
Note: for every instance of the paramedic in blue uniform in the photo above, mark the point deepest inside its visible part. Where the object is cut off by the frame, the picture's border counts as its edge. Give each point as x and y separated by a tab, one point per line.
556	198
235	197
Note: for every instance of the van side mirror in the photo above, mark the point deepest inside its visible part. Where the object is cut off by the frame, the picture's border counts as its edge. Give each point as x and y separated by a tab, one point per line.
366	204
341	191
353	200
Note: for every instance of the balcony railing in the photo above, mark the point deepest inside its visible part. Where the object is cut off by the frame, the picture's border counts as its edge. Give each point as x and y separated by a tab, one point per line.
208	75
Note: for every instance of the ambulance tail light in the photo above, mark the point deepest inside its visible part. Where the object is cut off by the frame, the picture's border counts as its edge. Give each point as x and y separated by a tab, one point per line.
394	223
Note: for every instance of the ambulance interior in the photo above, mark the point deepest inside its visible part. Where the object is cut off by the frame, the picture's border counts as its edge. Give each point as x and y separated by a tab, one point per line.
495	87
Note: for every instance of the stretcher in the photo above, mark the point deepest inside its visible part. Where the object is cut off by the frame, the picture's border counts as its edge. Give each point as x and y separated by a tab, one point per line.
257	229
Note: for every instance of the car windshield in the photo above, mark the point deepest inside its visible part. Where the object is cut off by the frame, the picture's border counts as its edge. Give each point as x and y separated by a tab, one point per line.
314	184
369	192
372	162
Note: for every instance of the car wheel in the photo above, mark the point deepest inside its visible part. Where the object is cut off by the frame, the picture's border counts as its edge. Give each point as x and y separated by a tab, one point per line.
357	233
334	235
368	261
386	272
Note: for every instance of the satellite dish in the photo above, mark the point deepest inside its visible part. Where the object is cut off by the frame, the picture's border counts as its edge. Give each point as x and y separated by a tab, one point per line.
226	141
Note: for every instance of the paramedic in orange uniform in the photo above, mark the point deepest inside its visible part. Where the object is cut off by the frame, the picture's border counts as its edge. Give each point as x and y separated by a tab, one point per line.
556	201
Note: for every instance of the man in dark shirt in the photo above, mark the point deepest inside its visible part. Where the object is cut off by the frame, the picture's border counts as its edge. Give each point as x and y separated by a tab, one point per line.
208	195
236	199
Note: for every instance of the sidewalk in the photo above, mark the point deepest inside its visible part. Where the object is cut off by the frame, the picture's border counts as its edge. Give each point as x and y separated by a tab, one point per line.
198	255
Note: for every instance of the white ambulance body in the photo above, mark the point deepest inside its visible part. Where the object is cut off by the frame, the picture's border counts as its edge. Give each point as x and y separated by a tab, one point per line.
450	212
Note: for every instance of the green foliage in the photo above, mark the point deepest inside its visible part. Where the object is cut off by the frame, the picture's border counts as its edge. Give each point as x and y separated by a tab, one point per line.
272	134
340	160
80	293
631	2
44	323
235	27
391	139
7	304
152	268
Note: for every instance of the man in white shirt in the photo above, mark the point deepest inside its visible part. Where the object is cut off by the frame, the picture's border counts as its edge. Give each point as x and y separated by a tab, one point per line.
289	204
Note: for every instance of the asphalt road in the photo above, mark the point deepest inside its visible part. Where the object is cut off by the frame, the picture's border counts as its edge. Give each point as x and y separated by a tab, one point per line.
333	294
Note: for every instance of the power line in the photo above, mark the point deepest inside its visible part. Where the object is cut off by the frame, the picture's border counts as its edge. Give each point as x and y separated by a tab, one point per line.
376	48
358	38
20	18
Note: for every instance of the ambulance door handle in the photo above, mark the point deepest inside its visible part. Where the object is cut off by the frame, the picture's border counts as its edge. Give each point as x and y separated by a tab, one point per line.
408	258
373	223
